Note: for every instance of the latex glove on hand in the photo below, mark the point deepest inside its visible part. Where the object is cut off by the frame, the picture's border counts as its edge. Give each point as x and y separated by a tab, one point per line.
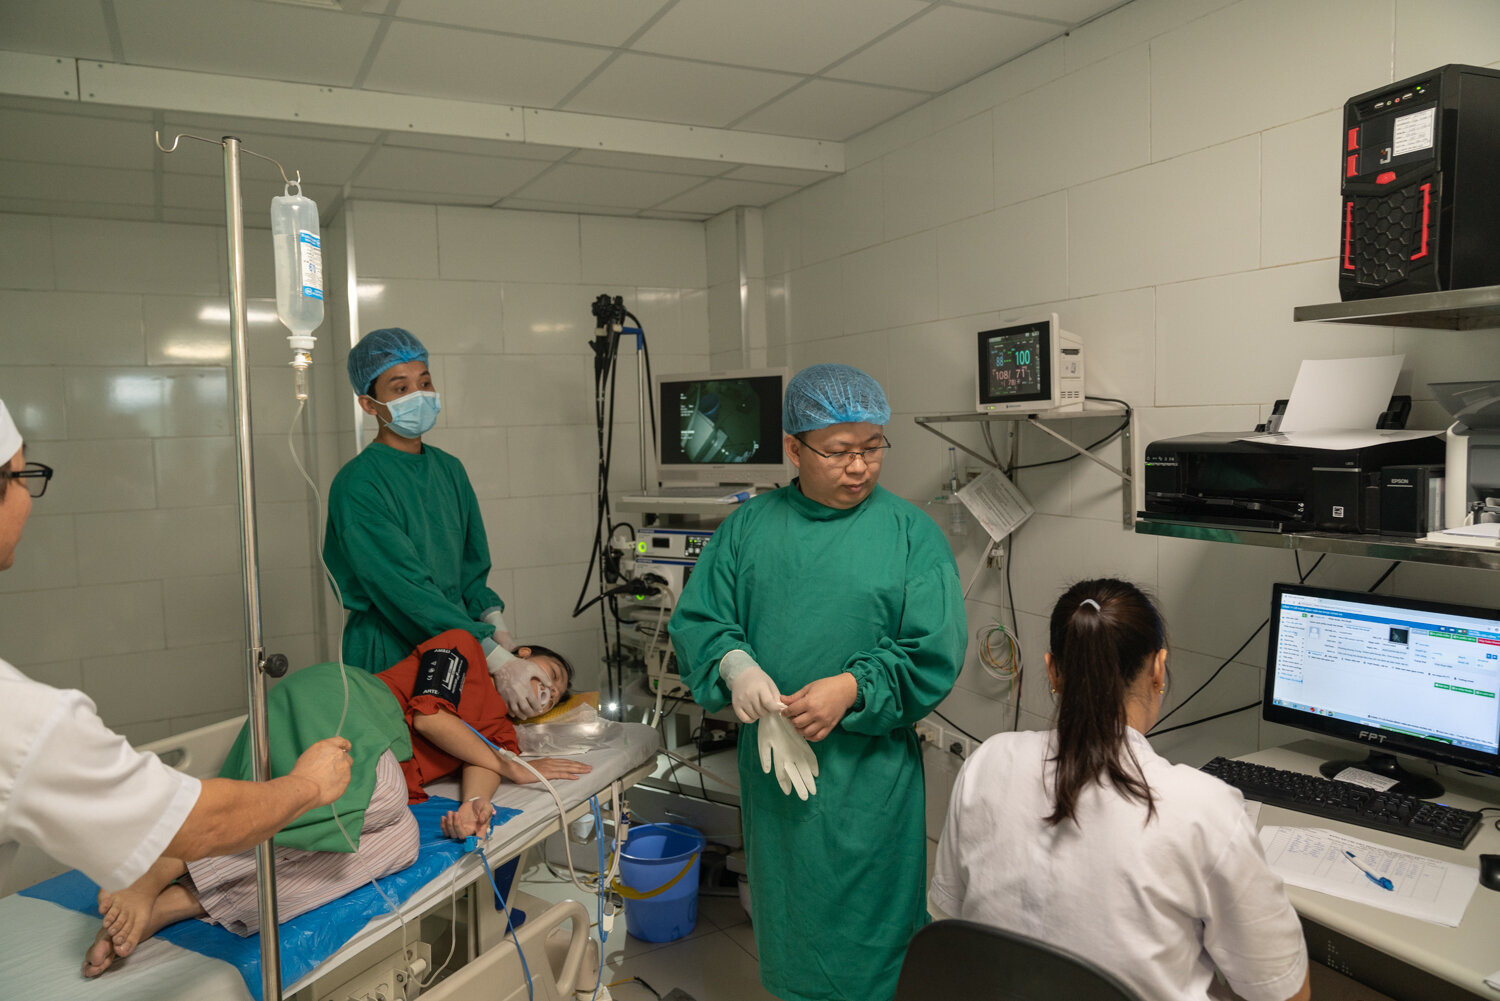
522	684
751	689
502	636
783	749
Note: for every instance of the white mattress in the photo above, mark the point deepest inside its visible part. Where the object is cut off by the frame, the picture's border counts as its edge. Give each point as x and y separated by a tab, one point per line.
42	944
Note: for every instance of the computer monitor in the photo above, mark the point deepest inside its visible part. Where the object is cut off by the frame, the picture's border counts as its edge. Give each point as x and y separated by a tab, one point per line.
720	428
1404	675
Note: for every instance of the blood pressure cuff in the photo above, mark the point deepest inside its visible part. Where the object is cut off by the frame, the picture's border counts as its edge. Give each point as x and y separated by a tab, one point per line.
440	674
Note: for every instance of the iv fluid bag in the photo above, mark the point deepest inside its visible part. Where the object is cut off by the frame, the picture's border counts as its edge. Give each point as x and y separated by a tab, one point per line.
299	262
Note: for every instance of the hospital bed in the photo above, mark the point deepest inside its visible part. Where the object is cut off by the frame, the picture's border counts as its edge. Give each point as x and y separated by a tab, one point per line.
42	943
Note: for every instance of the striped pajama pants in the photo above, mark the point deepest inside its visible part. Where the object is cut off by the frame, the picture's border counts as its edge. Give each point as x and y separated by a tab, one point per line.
225	884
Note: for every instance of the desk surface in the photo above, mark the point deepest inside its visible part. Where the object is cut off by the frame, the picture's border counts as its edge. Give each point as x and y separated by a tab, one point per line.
1463	956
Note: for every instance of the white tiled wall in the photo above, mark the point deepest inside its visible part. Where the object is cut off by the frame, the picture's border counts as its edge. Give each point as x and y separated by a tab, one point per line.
115	341
1165	179
116	349
502	300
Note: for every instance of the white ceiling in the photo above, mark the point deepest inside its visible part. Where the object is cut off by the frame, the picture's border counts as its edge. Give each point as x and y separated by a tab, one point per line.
754	97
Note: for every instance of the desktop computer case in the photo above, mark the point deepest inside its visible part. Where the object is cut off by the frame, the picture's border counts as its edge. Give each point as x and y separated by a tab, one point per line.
1420	216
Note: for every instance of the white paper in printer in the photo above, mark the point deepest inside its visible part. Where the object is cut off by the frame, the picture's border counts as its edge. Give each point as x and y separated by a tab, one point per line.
1336	402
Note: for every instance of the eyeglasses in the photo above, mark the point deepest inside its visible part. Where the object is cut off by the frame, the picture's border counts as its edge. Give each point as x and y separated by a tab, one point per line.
36	475
872	456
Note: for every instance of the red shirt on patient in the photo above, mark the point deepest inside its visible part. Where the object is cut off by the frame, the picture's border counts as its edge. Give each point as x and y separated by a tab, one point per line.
447	674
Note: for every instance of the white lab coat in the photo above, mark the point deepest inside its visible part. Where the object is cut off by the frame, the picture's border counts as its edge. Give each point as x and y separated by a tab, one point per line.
77	790
1158	904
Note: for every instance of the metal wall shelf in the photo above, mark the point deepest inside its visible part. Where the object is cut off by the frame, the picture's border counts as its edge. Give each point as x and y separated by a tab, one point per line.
1458	309
1038	419
1376	547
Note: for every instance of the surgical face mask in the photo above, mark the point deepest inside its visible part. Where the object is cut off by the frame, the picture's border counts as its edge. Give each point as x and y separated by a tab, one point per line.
414	414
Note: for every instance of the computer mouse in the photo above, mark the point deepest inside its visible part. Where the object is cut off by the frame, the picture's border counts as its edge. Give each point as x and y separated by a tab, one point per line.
1489	872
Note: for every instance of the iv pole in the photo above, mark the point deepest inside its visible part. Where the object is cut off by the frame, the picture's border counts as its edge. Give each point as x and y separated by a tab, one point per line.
257	664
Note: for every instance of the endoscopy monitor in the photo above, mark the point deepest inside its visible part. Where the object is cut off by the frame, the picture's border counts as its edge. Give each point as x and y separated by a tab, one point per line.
1402	675
1030	366
720	428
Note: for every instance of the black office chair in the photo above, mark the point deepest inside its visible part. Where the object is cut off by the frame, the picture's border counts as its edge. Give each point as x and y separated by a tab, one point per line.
966	961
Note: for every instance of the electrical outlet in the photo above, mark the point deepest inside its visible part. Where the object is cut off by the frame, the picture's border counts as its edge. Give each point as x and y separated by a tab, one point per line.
929	733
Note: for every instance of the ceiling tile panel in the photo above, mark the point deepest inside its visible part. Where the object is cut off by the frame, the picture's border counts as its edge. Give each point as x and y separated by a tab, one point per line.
599	22
61	182
673	90
329	163
76	208
476	66
55	28
830	109
720	194
604	186
266	41
798	36
943	48
419	197
75	108
48	138
1068	12
194	191
452	173
531	205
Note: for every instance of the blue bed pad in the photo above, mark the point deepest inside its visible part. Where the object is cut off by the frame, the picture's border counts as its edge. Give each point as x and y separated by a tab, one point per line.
311	938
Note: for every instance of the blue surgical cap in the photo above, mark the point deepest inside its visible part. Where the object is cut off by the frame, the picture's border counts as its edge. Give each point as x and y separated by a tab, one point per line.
379	350
821	395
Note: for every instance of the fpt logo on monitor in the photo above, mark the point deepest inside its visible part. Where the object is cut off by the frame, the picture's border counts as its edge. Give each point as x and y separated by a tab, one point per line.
1374	738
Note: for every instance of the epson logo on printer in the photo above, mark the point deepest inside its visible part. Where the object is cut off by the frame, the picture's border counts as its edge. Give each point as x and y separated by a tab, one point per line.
1378	738
1400	481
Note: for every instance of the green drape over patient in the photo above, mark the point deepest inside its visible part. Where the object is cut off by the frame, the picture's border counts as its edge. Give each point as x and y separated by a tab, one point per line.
837	882
302	709
406	545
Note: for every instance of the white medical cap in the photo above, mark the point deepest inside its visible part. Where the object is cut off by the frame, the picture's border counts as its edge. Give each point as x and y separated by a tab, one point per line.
10	435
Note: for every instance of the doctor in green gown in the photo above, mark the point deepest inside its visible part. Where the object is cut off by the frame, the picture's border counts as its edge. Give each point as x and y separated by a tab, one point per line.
829	613
405	539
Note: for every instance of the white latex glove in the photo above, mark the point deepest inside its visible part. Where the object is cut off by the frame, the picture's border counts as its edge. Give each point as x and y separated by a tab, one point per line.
751	689
502	637
514	683
783	748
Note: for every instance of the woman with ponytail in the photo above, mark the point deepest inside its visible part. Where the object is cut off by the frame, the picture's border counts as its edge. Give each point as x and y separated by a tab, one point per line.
1085	838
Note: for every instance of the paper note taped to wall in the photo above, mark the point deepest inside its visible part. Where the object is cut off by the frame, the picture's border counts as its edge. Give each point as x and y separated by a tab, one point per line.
996	503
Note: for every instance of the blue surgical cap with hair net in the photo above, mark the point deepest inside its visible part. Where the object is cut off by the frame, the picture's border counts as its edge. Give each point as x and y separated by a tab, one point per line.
821	395
379	350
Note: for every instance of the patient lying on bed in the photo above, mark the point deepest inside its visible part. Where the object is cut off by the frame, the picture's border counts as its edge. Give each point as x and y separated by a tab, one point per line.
409	726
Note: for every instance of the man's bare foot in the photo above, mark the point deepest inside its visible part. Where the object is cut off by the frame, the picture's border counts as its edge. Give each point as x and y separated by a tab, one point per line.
100	954
173	904
127	912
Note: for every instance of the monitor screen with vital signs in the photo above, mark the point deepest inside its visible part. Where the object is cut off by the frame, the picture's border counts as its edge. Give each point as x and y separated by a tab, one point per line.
1406	675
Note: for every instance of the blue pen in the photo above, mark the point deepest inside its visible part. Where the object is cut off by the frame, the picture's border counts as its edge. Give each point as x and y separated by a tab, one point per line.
1383	882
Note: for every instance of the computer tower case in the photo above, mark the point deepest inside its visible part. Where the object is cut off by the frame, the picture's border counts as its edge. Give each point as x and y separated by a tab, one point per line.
1421	185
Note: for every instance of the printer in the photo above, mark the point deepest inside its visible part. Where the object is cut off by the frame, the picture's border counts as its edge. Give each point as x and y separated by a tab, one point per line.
1217	477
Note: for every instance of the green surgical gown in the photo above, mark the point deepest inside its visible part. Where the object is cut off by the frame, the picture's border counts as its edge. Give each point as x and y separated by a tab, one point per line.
406	544
838	882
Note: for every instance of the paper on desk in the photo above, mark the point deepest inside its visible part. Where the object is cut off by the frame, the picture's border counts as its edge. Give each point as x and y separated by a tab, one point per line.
1341	392
1370	780
996	503
1312	857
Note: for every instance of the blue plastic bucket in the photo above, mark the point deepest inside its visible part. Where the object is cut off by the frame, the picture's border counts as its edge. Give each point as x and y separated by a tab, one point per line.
655	854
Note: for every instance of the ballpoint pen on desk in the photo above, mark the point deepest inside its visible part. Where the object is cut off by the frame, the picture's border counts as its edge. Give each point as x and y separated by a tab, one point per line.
1384	882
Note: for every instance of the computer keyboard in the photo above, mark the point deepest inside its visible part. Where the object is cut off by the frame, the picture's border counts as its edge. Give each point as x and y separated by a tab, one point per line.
1353	804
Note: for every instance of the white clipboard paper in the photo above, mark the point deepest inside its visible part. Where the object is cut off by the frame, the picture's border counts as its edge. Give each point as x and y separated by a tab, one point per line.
996	503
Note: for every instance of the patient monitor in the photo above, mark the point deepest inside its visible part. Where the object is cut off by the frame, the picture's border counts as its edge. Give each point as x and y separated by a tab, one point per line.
1029	366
